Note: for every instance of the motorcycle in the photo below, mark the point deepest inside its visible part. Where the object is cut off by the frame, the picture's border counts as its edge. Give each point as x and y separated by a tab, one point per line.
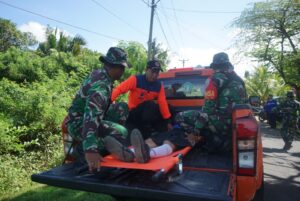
260	113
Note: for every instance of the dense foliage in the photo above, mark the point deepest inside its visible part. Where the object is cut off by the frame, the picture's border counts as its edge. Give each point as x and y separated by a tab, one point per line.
35	94
36	89
263	83
10	36
270	33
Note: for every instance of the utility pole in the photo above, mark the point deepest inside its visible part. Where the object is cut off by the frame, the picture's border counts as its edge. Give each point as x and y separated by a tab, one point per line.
153	6
183	61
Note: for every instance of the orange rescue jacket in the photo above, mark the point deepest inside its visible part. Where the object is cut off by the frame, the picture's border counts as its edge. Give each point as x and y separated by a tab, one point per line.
140	90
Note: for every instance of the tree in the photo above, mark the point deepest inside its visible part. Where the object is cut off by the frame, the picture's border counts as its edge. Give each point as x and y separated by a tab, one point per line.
76	44
262	83
270	32
50	43
137	57
159	53
10	36
62	44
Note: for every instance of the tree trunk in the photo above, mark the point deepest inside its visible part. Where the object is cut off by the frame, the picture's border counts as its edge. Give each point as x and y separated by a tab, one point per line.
297	93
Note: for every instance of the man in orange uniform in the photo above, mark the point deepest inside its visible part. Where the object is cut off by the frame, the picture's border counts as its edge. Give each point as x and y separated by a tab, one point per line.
143	89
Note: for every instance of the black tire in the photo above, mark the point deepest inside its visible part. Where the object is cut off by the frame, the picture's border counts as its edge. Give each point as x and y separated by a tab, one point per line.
259	195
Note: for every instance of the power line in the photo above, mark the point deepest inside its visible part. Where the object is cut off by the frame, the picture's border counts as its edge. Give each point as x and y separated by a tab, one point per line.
163	30
116	16
202	11
187	28
177	23
59	21
183	61
169	27
147	3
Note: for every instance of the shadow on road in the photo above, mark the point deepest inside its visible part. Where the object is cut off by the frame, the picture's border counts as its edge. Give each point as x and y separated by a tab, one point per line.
281	189
281	168
269	132
297	154
273	150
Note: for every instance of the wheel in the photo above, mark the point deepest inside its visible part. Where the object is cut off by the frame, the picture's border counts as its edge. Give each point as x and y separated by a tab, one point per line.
259	195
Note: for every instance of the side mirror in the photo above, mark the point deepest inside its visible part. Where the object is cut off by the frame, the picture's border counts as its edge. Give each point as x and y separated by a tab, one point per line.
254	100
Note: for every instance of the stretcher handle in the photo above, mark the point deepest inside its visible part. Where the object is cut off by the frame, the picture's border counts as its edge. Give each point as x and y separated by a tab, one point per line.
158	175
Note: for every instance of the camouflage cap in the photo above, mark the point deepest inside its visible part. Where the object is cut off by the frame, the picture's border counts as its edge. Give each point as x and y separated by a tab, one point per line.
116	56
221	59
154	64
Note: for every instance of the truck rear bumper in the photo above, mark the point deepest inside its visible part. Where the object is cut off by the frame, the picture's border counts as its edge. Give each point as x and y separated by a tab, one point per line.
191	185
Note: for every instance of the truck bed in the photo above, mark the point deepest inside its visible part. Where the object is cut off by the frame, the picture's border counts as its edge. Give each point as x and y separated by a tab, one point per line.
193	184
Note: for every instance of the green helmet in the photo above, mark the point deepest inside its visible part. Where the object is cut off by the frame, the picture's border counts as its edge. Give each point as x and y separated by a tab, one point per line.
221	60
115	56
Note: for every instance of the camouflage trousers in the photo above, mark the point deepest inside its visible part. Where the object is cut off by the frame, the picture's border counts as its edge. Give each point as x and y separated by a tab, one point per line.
214	128
112	124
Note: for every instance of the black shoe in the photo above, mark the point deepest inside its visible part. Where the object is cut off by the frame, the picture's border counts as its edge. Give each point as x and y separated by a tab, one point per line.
141	149
117	149
287	146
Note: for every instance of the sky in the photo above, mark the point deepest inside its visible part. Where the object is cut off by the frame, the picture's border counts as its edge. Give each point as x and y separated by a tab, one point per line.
191	30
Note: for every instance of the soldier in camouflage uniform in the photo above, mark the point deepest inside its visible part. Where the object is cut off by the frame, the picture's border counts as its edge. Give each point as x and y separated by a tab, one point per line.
92	120
290	109
224	90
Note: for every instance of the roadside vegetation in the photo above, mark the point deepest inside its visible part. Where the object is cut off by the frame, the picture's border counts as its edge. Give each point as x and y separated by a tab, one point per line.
39	80
269	33
36	88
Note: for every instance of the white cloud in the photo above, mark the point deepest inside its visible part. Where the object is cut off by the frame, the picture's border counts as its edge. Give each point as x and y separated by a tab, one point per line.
37	29
203	57
194	57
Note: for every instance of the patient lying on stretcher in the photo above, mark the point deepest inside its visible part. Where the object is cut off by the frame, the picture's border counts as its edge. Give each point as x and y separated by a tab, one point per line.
158	145
185	133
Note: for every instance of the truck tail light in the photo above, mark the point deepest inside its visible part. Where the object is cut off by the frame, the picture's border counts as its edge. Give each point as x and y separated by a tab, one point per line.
246	146
68	142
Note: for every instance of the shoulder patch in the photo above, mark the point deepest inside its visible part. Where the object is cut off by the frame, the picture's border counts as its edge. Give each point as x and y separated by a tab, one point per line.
211	91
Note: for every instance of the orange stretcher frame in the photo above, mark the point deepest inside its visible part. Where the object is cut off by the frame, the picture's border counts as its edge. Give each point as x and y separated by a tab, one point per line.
156	164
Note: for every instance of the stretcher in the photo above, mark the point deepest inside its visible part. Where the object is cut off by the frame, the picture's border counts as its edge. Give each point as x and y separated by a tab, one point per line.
160	166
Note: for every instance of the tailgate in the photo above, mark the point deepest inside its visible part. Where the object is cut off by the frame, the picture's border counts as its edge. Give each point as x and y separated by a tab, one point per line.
191	185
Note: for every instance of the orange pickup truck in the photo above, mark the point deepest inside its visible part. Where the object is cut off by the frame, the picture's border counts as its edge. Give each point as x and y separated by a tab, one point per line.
235	176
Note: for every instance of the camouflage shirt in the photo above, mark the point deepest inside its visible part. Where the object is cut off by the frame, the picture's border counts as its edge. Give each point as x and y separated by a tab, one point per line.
89	106
224	89
292	104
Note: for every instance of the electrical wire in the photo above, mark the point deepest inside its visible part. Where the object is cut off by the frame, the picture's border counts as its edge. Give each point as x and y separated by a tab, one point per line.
177	23
162	29
116	16
147	3
187	29
169	27
202	11
59	21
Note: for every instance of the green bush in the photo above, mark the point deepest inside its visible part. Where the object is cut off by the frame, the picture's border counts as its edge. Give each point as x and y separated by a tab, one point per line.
15	170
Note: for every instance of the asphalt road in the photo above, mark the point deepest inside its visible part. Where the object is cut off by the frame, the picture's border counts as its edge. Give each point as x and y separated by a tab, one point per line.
282	168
